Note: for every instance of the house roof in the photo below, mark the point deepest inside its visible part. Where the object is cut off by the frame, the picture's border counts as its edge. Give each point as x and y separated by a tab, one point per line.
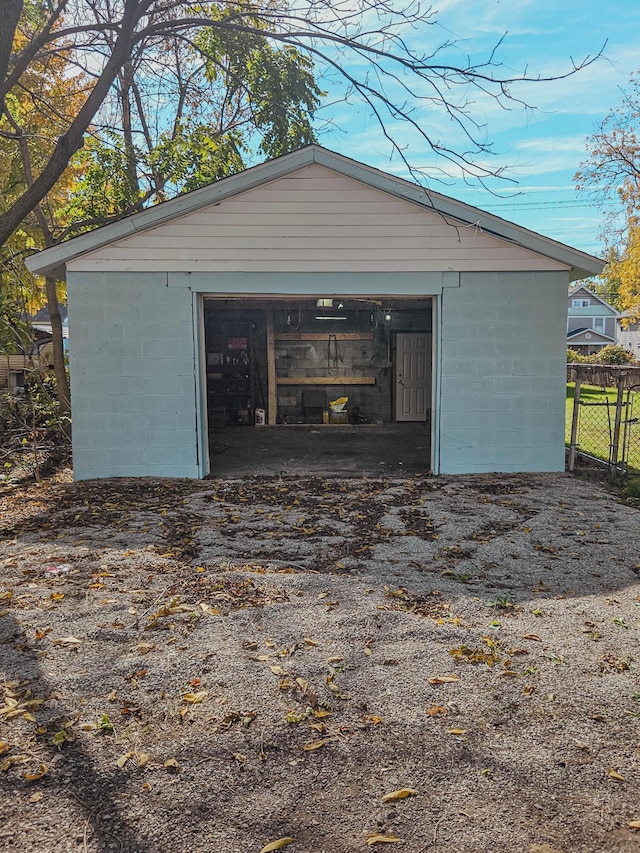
582	288
594	337
53	260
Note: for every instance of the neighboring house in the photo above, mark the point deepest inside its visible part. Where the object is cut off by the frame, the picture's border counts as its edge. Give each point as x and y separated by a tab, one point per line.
591	321
313	272
629	335
41	324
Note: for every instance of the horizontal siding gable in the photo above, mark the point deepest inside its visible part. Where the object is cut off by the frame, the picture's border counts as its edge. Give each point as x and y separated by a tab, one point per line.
598	306
312	220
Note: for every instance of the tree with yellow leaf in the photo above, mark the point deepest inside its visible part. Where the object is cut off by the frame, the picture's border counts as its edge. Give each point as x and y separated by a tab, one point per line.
34	114
612	170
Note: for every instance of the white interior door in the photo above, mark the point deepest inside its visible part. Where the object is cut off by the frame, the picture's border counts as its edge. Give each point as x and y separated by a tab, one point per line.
412	375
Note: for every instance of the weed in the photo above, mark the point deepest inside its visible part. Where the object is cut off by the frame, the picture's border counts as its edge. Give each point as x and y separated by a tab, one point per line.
105	725
503	603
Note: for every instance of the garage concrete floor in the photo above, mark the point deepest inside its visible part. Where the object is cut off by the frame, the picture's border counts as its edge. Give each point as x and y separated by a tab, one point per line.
325	450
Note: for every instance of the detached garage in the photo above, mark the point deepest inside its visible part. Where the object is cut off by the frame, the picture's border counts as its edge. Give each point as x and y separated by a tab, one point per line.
270	294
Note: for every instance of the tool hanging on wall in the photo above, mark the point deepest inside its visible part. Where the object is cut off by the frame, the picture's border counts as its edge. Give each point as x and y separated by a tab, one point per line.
333	360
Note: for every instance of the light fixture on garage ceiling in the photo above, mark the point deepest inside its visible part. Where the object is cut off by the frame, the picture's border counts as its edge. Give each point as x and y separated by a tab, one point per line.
387	315
324	303
330	317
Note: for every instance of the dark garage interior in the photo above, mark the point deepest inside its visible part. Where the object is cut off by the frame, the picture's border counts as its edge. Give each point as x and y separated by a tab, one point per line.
274	368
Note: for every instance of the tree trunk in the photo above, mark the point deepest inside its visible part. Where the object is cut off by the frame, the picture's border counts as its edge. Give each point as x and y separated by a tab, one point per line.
73	139
10	11
59	369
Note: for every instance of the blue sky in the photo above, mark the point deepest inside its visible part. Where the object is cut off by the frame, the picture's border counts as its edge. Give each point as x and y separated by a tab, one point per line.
541	149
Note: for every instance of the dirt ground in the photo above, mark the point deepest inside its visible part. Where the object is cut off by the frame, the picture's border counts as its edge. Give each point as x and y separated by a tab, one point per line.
221	665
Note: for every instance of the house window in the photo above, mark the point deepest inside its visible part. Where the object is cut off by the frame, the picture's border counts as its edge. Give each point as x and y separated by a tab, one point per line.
580	303
598	324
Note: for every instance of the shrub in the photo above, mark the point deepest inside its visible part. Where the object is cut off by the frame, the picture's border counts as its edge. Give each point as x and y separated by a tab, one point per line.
31	424
612	354
575	357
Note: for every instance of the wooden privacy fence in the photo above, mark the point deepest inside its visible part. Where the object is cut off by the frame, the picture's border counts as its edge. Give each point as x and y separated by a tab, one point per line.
605	375
605	425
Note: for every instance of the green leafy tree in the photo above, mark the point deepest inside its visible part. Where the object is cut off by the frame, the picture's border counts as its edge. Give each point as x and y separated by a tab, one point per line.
198	122
376	64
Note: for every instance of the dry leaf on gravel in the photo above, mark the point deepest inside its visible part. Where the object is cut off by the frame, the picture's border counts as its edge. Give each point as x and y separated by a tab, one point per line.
443	679
400	794
124	758
67	641
316	744
277	845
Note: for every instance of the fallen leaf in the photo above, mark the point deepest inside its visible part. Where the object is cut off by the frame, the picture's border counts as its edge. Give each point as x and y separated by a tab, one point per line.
443	679
456	731
278	670
310	642
615	775
4	746
374	838
316	744
633	824
195	698
399	795
434	710
531	637
38	774
124	758
367	651
277	845
35	798
171	762
143	759
67	641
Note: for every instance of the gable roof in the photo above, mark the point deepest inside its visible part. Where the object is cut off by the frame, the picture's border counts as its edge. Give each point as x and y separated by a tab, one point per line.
53	260
590	335
582	288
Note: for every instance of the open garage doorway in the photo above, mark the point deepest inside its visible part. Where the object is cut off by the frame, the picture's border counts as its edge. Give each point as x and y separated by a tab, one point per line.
275	367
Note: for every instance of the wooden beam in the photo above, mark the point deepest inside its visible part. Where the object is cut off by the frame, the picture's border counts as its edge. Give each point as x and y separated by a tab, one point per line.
326	380
271	371
324	336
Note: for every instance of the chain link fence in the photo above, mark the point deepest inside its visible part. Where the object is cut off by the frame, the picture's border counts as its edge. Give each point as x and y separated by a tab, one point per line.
603	418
